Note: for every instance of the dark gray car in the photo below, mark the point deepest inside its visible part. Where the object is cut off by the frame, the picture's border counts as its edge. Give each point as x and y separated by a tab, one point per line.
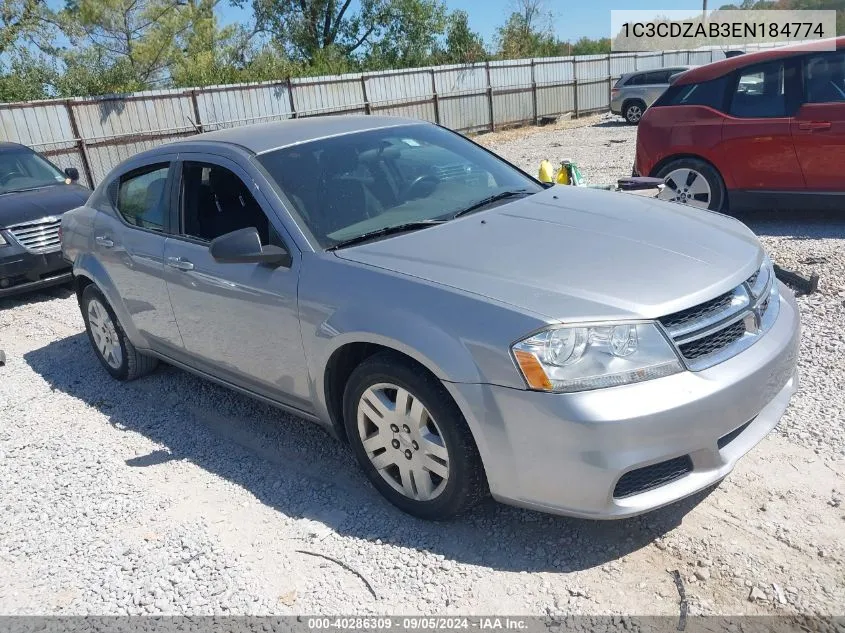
463	327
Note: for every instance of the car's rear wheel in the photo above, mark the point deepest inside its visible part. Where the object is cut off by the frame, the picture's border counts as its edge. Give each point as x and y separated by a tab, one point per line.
111	345
411	439
693	182
633	112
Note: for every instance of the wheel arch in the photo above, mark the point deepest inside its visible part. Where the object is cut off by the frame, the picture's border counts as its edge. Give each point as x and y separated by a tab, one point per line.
673	157
629	100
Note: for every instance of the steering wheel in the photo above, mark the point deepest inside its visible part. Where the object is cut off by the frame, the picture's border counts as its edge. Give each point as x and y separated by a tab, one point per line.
7	175
420	187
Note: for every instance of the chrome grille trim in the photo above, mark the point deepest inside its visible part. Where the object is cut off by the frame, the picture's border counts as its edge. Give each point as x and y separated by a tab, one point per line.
755	304
38	236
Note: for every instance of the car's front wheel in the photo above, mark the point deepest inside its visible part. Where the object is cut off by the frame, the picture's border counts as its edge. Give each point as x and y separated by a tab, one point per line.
633	112
694	182
411	439
111	345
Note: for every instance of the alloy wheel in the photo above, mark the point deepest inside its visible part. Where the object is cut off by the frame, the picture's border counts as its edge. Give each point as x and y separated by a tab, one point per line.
104	333
403	442
634	113
687	186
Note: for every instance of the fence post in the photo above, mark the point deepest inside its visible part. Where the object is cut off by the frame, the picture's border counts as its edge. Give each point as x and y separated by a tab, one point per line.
609	79
364	92
490	98
435	98
195	103
80	144
534	92
575	86
662	58
293	113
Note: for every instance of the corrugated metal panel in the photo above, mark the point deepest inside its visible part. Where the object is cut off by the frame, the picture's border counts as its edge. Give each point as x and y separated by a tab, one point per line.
103	158
326	95
554	100
554	70
233	106
107	118
647	61
463	100
700	57
676	59
593	96
621	64
37	125
408	94
513	99
591	67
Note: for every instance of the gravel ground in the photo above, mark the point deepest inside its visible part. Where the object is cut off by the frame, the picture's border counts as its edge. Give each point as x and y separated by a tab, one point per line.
171	495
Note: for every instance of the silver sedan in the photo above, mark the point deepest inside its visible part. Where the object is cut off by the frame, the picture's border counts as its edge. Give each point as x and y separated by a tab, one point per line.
466	329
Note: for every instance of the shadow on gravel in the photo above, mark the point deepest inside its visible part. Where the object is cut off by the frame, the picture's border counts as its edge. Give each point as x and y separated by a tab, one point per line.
295	467
36	296
795	225
620	122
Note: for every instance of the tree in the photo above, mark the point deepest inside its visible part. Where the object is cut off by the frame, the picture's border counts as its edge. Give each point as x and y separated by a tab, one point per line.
408	37
137	38
528	31
463	45
18	18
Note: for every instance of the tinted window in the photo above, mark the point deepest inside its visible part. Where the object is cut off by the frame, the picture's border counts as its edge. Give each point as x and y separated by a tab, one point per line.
824	78
24	169
707	93
346	186
215	201
657	77
141	197
761	91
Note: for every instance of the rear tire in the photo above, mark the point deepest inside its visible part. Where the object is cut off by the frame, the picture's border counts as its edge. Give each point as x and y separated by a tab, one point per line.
694	182
633	112
419	454
111	345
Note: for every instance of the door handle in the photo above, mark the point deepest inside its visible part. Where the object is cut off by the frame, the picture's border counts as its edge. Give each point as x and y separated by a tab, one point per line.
179	263
812	126
104	241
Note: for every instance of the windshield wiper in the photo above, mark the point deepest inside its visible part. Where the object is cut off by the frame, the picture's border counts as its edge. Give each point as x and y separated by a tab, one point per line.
502	195
388	230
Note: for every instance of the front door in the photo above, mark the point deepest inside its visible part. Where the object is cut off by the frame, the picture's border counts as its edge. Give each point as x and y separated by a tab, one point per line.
129	243
238	321
756	134
819	126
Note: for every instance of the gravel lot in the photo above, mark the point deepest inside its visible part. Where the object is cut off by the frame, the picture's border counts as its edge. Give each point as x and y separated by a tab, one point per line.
171	495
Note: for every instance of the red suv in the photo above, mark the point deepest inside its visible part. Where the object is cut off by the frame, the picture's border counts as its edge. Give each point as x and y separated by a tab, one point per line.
761	130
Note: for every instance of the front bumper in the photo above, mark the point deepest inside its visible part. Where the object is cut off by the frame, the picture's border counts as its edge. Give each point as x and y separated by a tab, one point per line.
572	453
22	271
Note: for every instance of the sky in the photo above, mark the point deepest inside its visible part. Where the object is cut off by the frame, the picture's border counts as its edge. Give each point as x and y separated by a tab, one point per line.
572	18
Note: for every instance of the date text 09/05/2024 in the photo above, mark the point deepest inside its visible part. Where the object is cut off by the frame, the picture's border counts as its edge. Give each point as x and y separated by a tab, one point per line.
418	623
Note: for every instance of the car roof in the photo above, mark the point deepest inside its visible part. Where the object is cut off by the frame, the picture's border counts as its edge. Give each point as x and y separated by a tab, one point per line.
725	66
657	70
264	137
7	146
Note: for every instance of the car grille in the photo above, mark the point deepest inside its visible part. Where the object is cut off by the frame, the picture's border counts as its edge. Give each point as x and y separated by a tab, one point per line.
650	477
720	328
38	236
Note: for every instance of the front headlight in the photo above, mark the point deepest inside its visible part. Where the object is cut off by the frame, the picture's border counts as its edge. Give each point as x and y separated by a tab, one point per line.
566	359
3	241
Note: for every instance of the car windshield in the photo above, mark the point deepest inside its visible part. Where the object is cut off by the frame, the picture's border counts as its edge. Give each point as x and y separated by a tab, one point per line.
23	169
405	176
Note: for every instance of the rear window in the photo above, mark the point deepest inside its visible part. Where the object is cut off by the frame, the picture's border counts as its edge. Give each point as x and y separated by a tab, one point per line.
706	93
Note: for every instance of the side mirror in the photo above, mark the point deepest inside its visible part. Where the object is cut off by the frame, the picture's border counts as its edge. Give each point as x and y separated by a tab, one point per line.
72	173
244	247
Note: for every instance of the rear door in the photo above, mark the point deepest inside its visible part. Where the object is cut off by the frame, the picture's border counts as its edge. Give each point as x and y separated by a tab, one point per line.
818	129
129	241
756	135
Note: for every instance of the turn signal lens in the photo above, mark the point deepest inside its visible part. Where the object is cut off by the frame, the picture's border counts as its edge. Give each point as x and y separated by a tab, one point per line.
532	370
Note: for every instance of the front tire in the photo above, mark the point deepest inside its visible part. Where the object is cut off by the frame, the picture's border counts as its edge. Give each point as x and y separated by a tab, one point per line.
111	345
411	439
694	182
633	112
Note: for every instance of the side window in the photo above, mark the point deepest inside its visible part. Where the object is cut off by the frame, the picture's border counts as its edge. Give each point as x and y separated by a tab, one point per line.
141	197
761	91
824	78
215	201
657	77
707	93
635	80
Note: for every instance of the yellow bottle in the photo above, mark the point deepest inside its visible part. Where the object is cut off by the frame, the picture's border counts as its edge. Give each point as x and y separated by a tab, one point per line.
563	175
546	172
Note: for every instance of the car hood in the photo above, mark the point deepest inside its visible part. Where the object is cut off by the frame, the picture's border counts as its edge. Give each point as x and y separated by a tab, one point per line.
577	254
24	206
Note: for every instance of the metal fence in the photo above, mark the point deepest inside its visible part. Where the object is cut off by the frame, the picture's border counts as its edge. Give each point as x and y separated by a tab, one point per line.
94	134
